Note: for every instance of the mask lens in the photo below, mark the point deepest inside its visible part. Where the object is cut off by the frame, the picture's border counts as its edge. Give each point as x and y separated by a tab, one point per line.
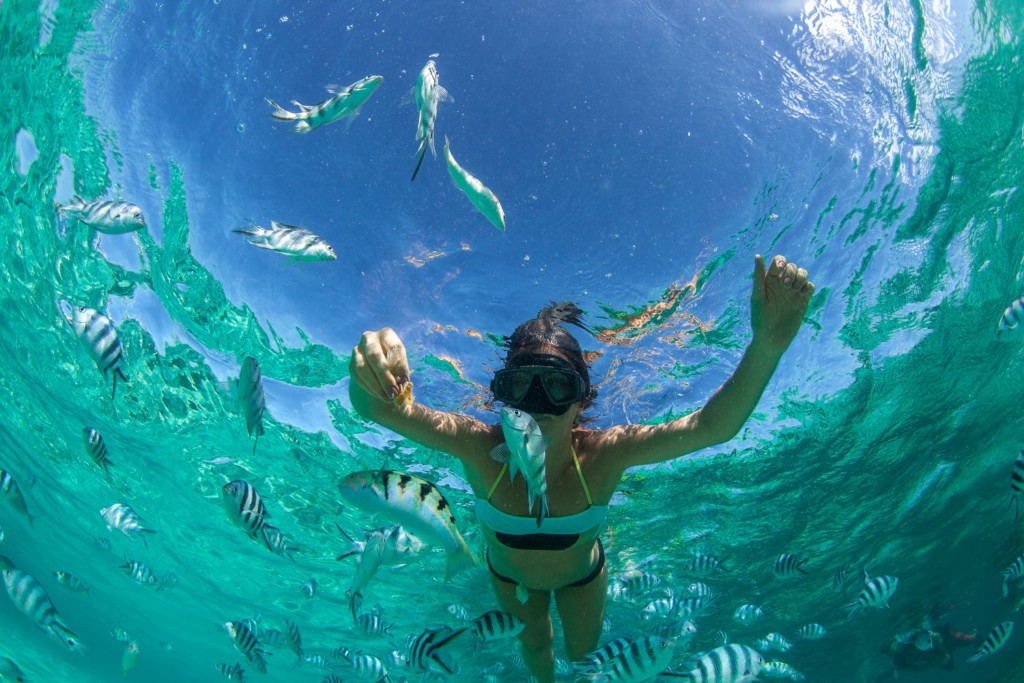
562	387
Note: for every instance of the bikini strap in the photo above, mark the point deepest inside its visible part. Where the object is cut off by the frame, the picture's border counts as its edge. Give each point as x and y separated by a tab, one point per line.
576	461
497	479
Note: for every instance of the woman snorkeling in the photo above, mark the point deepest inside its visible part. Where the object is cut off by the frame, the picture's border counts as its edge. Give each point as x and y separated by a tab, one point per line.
545	376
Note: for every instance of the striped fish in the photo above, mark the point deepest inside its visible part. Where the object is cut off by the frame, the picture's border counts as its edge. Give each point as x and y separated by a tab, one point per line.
1012	573
778	642
245	507
372	624
777	669
659	607
428	94
841	576
121	516
703	565
244	638
694	607
1017	484
638	660
876	593
250	397
11	492
309	588
298	243
98	337
638	582
995	640
96	448
343	104
525	450
369	668
423	652
748	614
277	542
731	663
141	573
31	599
811	632
496	625
112	218
595	661
479	195
699	590
459	611
679	631
788	565
415	504
233	672
1010	322
71	582
292	637
318	661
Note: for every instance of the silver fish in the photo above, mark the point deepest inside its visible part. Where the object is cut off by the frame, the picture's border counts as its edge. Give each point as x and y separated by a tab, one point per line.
96	448
141	573
99	339
10	492
731	663
995	640
812	631
71	582
246	642
748	614
876	593
1010	323
777	669
250	397
525	449
245	507
1017	484
298	243
415	504
702	565
479	195
369	668
277	542
1013	572
343	104
679	631
233	672
292	637
121	516
496	625
372	624
788	565
778	642
841	576
366	568
428	94
309	588
639	660
31	599
423	651
112	218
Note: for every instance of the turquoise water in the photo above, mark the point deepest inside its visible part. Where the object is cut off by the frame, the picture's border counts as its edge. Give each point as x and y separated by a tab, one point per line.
879	145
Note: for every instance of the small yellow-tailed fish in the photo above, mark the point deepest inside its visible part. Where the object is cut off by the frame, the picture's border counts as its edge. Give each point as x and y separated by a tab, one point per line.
481	197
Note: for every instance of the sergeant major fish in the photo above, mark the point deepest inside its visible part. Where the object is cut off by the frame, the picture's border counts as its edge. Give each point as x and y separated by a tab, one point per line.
423	652
638	660
96	449
123	517
99	339
1017	484
31	600
343	104
1013	572
731	663
414	503
10	492
1012	321
298	243
71	582
246	642
246	509
251	398
112	218
479	195
876	593
1000	634
428	94
525	449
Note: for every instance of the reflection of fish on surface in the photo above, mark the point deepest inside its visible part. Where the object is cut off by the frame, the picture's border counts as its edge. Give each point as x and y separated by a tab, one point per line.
298	243
343	104
479	195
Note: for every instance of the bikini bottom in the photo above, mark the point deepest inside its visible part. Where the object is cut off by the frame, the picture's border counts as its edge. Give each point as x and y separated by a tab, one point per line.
575	584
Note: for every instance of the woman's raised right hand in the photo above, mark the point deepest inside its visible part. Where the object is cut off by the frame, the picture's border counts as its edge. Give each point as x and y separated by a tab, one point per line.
379	364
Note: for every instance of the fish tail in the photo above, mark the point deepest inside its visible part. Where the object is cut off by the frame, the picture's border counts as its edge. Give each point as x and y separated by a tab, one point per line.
457	562
420	153
280	113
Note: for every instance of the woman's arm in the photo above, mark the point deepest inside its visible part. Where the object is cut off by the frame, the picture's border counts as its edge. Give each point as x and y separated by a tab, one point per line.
379	370
778	303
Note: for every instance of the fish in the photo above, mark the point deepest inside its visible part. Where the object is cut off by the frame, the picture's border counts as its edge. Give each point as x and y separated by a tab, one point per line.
10	671
141	573
109	217
415	504
71	582
876	593
277	542
699	590
636	660
244	638
369	668
120	635
428	94
748	614
122	517
637	582
11	492
1017	484
1010	321
841	576
778	642
344	103
98	337
372	624
309	588
680	631
788	565
703	565
525	450
245	508
366	568
693	607
777	669
459	611
292	637
29	596
995	640
423	652
479	195
1013	572
495	625
129	658
731	663
96	448
659	607
811	632
250	397
233	672
297	243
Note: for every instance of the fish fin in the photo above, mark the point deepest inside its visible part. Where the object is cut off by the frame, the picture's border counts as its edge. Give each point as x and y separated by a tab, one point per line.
800	567
302	128
420	153
501	453
458	562
442	94
333	88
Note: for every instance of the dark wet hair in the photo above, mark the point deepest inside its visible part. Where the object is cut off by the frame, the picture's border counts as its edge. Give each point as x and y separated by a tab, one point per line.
546	330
